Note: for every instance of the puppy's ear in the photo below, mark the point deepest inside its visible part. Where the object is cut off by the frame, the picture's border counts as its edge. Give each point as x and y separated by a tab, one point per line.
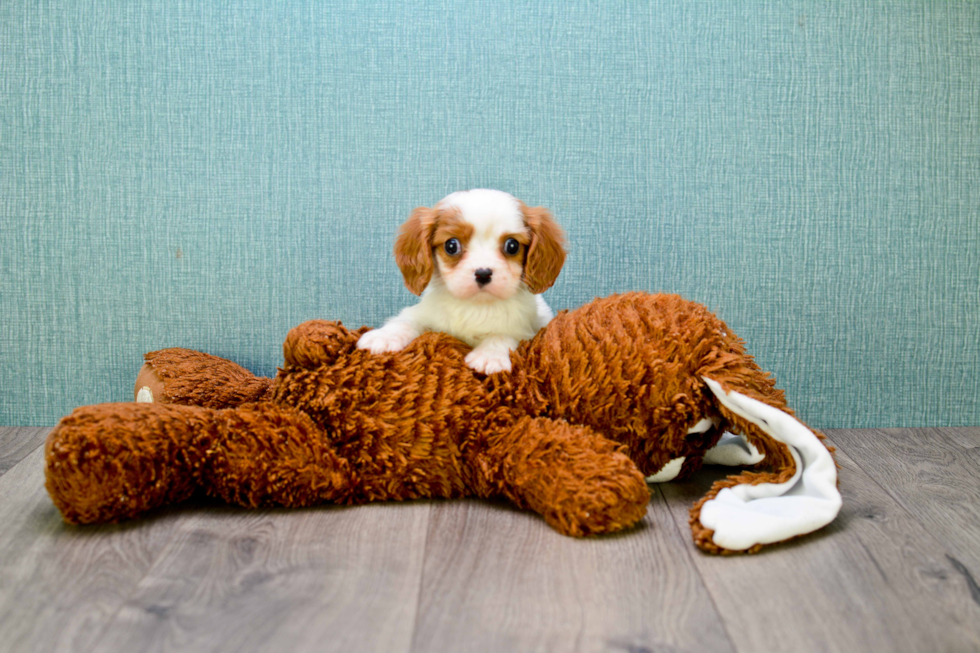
413	249
546	254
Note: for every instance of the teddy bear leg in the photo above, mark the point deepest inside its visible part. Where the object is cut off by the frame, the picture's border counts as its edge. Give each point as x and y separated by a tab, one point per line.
580	482
193	378
110	462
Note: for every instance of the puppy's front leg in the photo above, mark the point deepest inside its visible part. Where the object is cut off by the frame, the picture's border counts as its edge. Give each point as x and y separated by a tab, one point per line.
492	355
393	336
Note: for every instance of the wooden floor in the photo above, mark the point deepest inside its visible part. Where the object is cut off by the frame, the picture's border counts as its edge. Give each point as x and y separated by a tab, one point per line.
897	571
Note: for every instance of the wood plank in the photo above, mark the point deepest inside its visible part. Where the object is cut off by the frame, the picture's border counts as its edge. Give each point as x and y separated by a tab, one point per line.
61	585
18	441
499	579
322	579
874	580
967	437
932	476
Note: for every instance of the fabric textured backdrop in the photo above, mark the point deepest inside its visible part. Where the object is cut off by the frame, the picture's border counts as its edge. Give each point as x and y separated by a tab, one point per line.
207	175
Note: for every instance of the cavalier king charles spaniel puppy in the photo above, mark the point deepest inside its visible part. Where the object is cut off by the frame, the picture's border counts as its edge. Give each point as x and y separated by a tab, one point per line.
479	259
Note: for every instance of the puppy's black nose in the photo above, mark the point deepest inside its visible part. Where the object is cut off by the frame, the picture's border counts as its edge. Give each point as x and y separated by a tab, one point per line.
483	276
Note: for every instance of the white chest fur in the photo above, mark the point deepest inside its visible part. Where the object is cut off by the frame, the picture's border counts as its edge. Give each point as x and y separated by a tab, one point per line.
472	321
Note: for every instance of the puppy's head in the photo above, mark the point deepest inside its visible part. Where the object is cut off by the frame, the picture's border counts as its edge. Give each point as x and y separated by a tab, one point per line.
483	244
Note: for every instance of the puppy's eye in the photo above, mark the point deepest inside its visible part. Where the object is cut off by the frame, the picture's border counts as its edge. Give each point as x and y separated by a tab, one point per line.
452	247
511	246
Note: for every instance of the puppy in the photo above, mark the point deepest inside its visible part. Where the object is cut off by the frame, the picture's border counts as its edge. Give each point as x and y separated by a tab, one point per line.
478	258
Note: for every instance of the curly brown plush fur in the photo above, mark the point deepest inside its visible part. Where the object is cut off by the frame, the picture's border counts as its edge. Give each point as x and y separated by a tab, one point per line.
600	398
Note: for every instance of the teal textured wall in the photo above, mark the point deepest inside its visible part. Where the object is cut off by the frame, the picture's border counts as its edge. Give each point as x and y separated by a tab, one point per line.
184	173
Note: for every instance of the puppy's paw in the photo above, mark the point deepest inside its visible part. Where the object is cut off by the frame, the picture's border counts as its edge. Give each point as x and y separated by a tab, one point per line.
489	361
386	339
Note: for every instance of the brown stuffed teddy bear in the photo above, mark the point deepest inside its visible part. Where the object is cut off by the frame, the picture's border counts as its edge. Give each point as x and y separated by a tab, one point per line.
623	388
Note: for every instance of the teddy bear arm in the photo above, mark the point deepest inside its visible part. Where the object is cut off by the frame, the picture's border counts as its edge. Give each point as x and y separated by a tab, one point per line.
265	454
109	462
319	341
580	482
193	378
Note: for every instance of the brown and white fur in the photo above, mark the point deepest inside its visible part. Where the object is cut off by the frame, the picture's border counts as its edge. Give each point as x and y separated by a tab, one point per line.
480	288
